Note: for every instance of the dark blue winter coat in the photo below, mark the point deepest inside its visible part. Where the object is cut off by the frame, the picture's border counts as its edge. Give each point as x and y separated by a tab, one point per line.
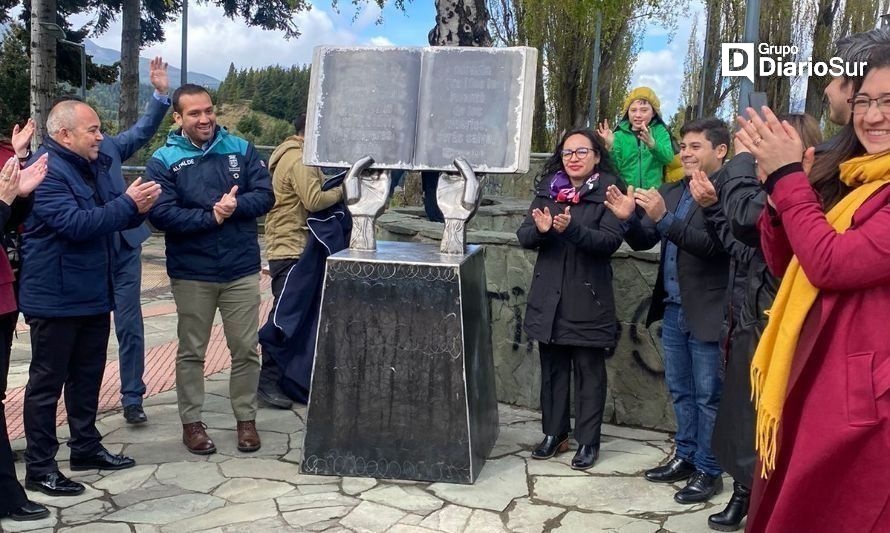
68	241
192	181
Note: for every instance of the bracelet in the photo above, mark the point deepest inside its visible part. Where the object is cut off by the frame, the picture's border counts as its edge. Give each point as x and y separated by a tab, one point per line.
24	158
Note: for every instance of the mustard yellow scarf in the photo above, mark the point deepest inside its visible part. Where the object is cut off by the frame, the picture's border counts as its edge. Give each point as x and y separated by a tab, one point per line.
771	366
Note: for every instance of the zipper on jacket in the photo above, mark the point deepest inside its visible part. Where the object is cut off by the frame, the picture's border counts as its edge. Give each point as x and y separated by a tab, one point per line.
593	292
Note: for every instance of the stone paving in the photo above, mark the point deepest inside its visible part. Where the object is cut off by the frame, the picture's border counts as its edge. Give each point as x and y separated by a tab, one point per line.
171	490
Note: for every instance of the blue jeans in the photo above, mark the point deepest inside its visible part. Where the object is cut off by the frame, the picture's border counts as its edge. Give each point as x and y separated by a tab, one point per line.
128	323
692	374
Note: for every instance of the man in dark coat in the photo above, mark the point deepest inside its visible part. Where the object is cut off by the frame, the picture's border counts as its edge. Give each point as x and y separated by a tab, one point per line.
66	290
689	296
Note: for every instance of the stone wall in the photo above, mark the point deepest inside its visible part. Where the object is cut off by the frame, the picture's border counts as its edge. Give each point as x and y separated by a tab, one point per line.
637	395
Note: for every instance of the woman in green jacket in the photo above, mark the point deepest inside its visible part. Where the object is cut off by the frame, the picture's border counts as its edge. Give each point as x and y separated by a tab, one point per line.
640	146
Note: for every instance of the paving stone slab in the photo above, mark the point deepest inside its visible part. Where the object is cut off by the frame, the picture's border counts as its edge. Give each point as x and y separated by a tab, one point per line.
527	517
324	516
410	498
267	525
509	414
357	485
274	445
88	511
632	433
196	477
485	522
146	493
408	528
242	490
500	482
167	510
279	420
450	519
230	514
125	480
161	452
313	501
623	496
576	522
370	517
314	489
555	466
695	522
263	468
97	527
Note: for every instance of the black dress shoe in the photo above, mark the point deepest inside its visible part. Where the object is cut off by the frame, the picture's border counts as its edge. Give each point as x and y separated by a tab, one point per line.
29	511
54	484
104	460
677	469
271	394
585	457
736	510
700	488
551	445
134	414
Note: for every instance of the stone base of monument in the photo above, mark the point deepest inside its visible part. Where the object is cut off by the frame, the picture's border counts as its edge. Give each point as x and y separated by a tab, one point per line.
403	384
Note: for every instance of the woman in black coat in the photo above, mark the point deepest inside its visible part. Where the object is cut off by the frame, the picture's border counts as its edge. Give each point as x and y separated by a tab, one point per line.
571	308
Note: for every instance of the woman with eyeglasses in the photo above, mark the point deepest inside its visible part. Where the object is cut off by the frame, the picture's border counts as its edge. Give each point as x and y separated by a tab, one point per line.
571	308
821	372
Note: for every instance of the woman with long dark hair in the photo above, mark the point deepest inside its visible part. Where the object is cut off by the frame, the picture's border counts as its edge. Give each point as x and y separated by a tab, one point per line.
571	308
821	373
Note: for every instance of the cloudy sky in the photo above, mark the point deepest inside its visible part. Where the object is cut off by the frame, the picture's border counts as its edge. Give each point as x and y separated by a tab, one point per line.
215	41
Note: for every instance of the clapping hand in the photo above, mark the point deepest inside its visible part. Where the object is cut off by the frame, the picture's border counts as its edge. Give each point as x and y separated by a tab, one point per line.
703	191
32	175
607	134
562	221
652	203
645	136
543	219
774	144
9	181
226	205
143	194
21	138
621	205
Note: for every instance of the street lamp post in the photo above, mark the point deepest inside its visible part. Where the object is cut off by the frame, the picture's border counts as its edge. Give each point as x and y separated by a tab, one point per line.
183	74
59	35
752	34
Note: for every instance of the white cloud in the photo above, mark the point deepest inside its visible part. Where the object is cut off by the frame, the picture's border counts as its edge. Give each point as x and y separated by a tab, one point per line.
380	41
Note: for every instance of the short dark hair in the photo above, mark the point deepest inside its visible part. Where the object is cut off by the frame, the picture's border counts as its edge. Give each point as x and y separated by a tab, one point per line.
861	47
187	89
554	163
300	124
714	130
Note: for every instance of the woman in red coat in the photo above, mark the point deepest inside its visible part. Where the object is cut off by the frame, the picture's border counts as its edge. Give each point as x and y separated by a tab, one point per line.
821	374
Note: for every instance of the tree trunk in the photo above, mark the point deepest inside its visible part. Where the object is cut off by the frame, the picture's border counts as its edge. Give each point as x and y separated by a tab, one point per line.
43	64
130	44
821	52
461	23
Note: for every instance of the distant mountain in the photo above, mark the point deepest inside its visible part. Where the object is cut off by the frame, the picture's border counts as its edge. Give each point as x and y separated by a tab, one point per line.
107	56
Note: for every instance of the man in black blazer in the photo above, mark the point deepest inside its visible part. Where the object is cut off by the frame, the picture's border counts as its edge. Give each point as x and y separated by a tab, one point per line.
689	296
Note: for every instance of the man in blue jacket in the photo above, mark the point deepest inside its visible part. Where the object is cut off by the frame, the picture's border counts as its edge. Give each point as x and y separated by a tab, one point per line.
66	291
128	325
214	186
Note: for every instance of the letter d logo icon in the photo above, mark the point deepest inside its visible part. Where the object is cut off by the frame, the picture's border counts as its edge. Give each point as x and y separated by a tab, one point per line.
737	59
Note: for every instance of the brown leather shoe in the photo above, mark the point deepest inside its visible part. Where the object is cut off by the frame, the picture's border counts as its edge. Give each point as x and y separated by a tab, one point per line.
248	438
196	440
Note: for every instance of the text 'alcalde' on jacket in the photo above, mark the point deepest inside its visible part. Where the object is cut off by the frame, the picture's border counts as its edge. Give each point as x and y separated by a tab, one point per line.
192	181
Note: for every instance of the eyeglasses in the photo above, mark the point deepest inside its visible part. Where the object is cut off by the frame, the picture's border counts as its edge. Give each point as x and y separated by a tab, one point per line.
861	104
582	153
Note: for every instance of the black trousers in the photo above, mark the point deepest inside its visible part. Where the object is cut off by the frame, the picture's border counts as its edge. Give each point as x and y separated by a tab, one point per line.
270	373
13	495
66	352
589	366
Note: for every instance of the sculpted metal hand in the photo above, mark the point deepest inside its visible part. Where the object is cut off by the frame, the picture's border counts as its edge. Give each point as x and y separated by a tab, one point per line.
458	196
367	193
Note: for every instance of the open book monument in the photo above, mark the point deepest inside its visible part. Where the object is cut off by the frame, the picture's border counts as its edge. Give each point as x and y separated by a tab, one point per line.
403	380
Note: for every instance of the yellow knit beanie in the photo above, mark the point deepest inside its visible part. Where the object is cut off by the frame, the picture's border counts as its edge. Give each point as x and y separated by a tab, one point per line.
642	93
